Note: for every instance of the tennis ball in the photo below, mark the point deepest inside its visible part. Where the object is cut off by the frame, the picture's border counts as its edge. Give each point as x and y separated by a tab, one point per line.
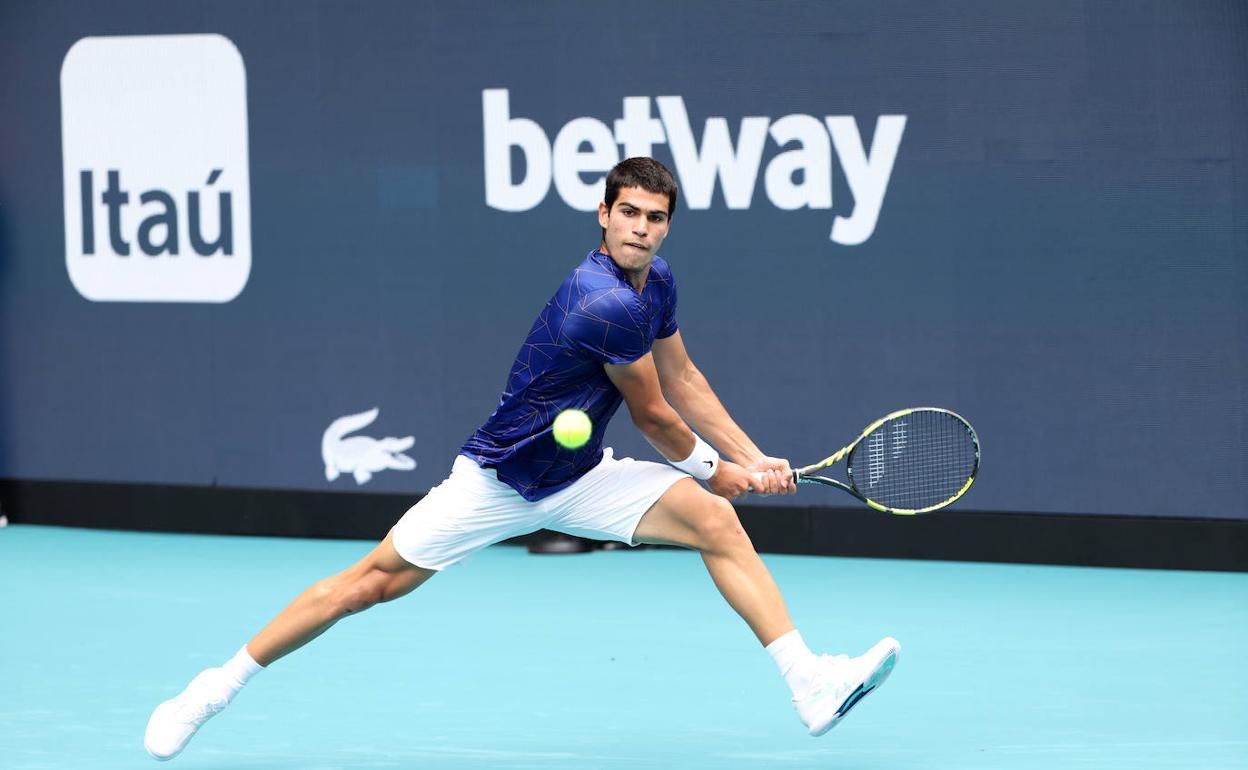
572	428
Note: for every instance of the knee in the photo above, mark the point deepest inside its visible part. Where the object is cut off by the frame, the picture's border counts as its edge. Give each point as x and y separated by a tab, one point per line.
718	527
344	597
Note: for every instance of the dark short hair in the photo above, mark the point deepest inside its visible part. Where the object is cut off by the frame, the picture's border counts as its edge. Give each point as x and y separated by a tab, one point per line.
646	173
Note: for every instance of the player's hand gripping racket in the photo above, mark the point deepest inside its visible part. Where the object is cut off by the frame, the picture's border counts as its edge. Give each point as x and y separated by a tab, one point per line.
911	461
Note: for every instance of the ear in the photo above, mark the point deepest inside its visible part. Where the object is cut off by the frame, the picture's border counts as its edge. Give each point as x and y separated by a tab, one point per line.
603	214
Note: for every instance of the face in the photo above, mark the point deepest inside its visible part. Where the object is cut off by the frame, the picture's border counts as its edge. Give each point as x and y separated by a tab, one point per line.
635	228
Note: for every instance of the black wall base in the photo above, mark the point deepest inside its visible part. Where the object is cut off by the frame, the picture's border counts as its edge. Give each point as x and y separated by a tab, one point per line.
1085	540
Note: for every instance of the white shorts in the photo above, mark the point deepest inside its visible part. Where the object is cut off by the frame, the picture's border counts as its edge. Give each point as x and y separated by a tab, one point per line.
472	509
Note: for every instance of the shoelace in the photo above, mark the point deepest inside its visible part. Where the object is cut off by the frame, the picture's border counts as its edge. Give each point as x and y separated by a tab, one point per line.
822	679
198	712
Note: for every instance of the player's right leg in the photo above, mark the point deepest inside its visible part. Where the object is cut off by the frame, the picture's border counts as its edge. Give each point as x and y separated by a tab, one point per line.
380	576
468	511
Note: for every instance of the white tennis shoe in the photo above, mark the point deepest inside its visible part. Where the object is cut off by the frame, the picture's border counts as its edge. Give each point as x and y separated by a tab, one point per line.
175	721
842	681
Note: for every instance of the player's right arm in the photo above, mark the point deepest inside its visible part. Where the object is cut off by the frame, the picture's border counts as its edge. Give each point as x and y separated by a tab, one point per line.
638	382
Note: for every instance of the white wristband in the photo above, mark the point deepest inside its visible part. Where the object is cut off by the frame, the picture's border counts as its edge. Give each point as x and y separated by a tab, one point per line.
702	462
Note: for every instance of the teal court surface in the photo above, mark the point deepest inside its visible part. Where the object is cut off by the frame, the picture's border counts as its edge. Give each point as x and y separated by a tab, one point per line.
612	660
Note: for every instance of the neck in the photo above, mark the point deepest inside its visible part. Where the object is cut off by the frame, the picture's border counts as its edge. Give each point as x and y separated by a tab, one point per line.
636	278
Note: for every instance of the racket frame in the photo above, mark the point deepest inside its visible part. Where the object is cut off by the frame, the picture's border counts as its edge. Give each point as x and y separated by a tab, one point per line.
808	474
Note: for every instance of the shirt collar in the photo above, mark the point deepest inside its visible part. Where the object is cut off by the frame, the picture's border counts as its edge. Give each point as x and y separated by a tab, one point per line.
606	261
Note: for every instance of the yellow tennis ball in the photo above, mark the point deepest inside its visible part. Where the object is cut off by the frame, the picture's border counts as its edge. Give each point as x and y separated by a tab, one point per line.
572	429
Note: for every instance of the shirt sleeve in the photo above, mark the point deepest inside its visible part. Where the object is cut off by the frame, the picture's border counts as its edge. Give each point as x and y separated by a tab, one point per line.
669	326
607	327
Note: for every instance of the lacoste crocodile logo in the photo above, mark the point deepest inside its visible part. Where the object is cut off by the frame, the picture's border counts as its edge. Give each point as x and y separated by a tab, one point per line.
362	456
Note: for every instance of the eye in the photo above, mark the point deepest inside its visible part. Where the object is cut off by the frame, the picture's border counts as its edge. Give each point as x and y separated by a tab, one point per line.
656	218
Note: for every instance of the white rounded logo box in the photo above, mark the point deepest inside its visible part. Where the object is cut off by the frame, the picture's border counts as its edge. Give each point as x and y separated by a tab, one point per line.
157	187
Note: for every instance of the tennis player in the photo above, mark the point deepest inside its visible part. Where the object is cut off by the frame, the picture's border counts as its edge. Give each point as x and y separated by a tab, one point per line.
608	335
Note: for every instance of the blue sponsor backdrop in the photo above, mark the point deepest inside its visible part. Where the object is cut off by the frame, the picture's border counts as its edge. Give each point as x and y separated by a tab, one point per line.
1061	251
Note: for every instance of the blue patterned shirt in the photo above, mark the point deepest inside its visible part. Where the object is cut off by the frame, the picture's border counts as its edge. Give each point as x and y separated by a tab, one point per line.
596	317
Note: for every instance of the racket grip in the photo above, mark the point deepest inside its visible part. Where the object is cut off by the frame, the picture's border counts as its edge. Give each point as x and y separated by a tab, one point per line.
758	479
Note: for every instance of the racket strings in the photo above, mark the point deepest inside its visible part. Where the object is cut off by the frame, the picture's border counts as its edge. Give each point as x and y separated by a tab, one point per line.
914	461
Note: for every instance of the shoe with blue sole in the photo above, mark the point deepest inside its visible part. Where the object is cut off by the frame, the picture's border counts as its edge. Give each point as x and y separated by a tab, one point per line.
844	681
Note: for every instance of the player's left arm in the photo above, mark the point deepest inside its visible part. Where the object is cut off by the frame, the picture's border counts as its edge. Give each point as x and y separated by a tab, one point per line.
690	394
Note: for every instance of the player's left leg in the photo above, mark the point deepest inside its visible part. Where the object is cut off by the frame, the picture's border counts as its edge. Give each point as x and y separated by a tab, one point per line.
687	515
824	688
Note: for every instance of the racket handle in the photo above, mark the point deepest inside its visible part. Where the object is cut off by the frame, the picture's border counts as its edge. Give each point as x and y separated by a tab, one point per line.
758	479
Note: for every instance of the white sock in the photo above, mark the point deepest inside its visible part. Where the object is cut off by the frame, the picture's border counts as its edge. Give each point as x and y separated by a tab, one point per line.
796	662
239	669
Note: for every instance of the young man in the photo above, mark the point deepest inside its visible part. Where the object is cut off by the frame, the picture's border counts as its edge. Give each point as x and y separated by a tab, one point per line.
608	335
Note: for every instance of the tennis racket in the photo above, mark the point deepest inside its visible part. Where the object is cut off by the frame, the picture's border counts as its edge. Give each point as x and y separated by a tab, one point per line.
911	461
